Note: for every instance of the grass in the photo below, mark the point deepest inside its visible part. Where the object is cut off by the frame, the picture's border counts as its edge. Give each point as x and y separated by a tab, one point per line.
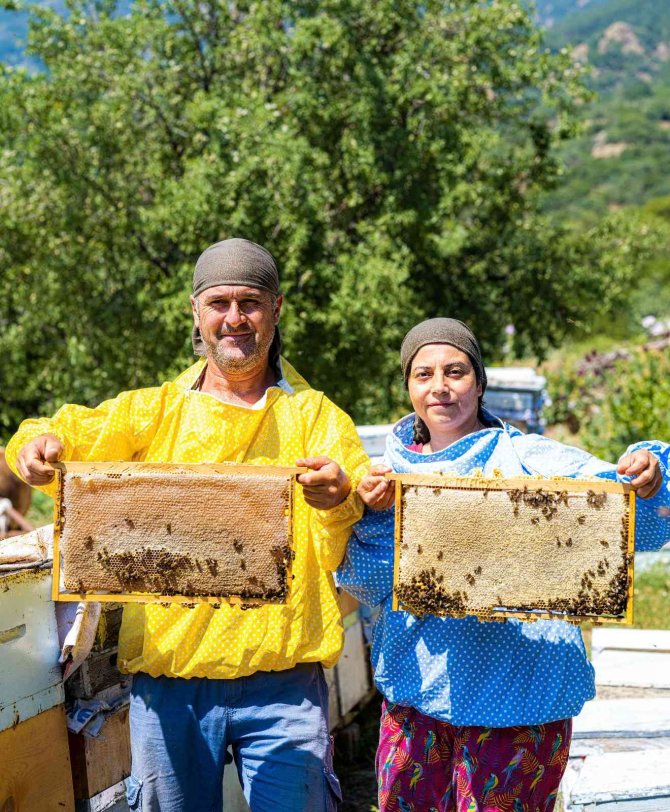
41	509
652	598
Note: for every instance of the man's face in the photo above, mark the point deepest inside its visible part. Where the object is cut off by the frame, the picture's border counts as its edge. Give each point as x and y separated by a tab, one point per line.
237	324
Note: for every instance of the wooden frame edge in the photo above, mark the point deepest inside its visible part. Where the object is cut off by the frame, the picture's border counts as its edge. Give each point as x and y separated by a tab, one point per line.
630	610
55	566
502	484
120	467
397	528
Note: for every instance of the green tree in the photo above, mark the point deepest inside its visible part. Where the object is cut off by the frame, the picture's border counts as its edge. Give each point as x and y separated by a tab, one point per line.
388	153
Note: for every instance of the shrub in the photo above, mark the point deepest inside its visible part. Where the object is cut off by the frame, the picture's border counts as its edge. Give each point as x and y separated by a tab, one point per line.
612	400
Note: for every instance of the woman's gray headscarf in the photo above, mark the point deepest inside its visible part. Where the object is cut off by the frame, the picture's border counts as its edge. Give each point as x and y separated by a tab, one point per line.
441	331
237	262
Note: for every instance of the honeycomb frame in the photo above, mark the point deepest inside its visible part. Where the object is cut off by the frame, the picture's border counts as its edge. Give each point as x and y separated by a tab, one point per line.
445	592
244	476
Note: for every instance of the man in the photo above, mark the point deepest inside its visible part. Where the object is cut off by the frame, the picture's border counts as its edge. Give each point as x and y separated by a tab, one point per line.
207	678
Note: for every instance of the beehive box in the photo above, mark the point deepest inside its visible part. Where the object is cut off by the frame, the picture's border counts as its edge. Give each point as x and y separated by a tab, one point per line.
31	679
173	533
100	762
523	547
35	765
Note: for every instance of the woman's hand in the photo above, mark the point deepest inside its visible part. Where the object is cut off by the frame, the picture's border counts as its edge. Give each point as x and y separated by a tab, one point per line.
644	467
377	492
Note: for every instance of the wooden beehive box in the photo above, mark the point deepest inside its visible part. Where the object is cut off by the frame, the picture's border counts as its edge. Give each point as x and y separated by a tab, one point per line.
35	765
522	547
101	762
173	532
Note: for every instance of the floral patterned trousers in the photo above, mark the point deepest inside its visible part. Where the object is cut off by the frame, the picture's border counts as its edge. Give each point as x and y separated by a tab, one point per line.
425	765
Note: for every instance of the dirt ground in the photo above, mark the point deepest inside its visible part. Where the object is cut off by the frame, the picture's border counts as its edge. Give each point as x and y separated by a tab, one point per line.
355	764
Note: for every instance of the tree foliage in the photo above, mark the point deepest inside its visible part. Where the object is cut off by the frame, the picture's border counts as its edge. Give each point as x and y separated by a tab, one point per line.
389	154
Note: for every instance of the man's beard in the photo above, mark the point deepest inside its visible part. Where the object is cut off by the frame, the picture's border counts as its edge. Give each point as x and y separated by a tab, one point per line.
247	355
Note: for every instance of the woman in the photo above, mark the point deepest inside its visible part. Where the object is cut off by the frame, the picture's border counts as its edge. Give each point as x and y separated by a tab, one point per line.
476	716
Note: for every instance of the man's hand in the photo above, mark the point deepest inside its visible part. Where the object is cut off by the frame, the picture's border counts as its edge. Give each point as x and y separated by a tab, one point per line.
34	456
644	467
377	492
326	485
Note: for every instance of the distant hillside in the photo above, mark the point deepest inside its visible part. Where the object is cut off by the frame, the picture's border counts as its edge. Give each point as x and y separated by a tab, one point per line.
623	158
627	41
549	12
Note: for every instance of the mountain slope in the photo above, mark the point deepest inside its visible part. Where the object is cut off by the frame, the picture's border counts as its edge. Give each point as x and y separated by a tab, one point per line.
549	12
623	157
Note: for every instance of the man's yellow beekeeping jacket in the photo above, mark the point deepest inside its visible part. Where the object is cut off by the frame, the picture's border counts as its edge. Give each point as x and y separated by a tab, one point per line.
174	423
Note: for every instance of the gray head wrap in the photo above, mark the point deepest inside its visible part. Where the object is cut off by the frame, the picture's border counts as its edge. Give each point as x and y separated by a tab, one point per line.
441	331
236	262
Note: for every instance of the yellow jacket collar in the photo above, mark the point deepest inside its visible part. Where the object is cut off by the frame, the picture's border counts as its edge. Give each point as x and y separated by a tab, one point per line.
290	377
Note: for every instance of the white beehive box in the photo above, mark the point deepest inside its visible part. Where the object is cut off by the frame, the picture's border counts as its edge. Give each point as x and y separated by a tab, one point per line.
623	782
638	658
30	676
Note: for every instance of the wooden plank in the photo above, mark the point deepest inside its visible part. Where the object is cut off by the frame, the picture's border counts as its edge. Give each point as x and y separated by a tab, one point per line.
97	672
103	761
556	484
186	468
152	597
397	541
627	718
621	778
630	607
35	765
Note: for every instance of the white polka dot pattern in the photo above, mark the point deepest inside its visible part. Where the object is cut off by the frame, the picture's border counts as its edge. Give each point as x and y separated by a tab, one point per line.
172	423
465	671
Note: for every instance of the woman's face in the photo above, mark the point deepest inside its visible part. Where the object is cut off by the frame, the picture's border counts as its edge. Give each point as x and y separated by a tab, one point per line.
443	389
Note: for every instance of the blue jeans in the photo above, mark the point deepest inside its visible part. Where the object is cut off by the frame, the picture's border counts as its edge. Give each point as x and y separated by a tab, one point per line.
276	723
